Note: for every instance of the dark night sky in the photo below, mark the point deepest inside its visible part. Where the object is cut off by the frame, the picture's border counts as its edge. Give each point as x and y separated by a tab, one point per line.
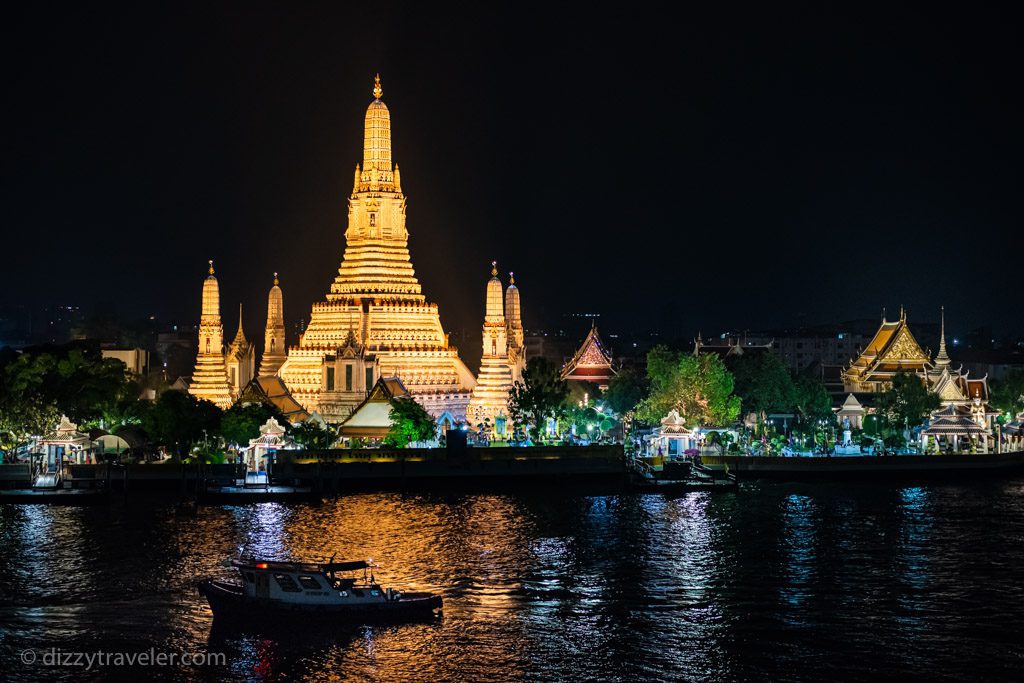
757	168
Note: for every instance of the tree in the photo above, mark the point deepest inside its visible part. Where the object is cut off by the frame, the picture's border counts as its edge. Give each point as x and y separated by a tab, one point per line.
625	390
38	385
313	435
1008	393
721	440
907	401
177	420
699	387
811	399
409	423
541	394
763	383
240	423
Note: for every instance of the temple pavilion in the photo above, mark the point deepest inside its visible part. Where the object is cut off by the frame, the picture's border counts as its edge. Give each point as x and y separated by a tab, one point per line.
894	349
375	320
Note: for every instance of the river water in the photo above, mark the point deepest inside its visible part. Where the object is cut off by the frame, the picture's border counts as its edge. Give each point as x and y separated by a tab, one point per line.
772	582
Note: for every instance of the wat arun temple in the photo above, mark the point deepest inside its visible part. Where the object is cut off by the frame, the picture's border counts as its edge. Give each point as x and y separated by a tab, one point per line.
375	322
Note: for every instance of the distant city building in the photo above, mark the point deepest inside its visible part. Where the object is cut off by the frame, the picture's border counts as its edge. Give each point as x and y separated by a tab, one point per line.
136	361
176	352
729	347
802	348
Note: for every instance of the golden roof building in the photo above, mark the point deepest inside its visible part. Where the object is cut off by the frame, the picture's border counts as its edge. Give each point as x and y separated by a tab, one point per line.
210	379
894	349
375	320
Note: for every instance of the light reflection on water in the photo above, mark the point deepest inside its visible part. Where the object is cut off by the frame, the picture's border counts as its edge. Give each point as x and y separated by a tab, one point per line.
777	581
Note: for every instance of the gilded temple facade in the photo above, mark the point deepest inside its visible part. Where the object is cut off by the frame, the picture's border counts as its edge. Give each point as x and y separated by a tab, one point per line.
894	349
502	360
210	378
375	321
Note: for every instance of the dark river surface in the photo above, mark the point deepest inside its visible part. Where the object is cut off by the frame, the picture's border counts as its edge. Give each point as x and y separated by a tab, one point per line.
773	582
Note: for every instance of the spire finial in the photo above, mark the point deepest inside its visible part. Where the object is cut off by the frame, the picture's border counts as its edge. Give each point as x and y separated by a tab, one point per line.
511	278
377	92
903	314
942	358
211	266
494	268
275	278
883	314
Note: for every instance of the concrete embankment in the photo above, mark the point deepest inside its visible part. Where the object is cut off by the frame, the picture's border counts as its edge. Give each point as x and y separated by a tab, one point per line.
904	467
328	471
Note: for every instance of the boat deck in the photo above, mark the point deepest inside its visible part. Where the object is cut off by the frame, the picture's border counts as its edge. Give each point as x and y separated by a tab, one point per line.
269	494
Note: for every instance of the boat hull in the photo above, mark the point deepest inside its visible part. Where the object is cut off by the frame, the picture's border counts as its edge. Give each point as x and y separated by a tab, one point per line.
230	604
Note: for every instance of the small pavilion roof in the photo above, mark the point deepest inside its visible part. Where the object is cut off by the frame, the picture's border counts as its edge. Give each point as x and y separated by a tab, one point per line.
372	417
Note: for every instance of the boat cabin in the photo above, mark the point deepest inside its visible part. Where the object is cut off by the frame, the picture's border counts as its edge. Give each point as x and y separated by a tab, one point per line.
308	583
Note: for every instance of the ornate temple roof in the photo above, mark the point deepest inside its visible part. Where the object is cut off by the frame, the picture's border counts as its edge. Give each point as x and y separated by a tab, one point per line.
271	390
893	348
950	421
592	361
66	433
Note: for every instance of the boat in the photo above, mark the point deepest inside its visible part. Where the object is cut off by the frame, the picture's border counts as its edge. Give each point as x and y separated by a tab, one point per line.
274	592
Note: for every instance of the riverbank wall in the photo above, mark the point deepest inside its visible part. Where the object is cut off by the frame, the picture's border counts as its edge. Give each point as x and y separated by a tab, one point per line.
841	468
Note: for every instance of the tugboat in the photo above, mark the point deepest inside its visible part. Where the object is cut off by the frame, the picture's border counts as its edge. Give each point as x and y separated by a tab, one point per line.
273	592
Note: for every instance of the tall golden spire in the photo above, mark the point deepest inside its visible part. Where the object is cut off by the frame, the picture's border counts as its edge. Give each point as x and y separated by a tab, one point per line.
377	92
240	336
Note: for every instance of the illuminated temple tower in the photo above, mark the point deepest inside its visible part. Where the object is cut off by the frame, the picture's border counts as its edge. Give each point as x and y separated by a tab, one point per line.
375	320
274	351
210	379
514	327
499	364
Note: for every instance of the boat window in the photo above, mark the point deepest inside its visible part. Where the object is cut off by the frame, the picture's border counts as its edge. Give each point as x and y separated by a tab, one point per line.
287	583
249	577
309	583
